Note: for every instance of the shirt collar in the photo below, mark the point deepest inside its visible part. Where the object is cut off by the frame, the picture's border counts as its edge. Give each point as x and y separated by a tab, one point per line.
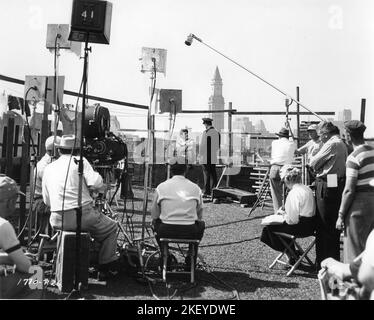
178	176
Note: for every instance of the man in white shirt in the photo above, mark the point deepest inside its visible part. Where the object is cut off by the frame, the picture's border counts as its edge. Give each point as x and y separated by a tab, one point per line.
60	193
177	208
299	212
282	153
39	208
185	147
313	145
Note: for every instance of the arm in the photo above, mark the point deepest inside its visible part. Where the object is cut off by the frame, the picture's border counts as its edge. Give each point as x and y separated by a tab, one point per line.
199	208
93	179
45	193
347	198
13	253
325	154
155	208
366	271
292	209
302	150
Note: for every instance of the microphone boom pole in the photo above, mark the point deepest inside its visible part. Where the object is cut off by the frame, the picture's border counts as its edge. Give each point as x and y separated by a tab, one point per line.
192	36
76	291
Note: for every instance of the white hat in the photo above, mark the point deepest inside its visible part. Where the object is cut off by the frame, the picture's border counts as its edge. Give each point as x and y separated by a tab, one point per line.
312	127
49	142
69	142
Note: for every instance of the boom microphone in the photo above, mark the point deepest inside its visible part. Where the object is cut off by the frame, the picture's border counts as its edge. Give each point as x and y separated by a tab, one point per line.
190	38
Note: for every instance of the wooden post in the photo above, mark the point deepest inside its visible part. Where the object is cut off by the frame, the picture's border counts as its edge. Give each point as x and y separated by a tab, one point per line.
9	148
298	116
363	109
24	175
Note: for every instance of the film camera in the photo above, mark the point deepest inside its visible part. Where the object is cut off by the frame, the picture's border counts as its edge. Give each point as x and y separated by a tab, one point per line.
102	147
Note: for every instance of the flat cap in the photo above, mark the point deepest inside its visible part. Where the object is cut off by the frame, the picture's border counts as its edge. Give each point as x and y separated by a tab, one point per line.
8	188
354	125
207	120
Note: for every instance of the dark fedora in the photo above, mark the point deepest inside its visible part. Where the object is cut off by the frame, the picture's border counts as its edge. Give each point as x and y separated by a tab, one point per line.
283	132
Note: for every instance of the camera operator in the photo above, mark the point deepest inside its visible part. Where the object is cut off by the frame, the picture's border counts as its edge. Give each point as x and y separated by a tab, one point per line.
60	192
39	208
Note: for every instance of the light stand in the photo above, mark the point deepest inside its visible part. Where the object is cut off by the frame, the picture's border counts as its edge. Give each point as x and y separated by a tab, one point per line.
148	149
56	102
75	294
188	42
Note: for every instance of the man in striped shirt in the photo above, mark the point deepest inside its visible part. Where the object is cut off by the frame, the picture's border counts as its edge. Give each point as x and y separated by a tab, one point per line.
356	211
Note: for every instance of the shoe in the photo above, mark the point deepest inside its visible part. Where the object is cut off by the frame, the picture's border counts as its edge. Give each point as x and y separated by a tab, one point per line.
106	275
109	270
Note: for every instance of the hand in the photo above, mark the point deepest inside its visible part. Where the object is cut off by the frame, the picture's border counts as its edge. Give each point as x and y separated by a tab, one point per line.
339	223
335	268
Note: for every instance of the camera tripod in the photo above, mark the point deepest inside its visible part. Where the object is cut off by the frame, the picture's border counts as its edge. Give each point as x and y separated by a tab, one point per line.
103	205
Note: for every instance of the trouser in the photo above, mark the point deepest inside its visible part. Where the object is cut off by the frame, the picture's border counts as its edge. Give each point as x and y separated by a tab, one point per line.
101	228
305	228
178	231
209	171
276	186
42	212
327	236
359	223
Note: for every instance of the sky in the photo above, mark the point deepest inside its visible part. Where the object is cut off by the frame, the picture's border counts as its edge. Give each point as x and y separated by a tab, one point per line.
324	47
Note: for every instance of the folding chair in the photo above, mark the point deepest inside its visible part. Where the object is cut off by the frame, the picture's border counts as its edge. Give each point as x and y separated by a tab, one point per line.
193	245
290	250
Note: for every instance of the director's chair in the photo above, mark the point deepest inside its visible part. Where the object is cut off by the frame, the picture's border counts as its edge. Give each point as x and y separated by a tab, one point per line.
299	255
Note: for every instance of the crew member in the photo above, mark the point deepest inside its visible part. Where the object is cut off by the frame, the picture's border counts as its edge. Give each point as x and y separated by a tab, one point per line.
40	210
361	270
282	152
60	192
10	248
329	165
209	149
177	208
298	214
185	147
357	207
310	148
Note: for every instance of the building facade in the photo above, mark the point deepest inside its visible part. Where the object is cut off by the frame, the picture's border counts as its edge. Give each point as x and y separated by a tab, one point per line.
217	102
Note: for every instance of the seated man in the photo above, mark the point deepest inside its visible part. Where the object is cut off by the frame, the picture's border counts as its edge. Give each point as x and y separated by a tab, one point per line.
177	210
298	214
10	248
40	210
60	192
361	269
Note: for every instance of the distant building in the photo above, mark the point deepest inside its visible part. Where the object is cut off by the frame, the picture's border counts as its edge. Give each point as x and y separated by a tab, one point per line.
217	102
260	127
243	124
